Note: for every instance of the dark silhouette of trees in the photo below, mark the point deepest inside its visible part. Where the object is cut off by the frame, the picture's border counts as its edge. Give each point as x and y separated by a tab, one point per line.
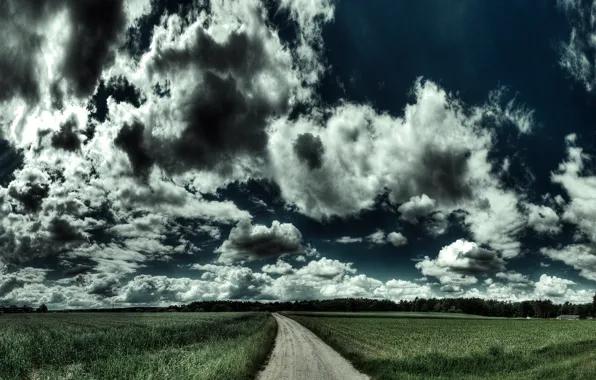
476	306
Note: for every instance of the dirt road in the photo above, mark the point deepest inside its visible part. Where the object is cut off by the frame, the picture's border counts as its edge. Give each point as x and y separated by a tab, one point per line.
301	355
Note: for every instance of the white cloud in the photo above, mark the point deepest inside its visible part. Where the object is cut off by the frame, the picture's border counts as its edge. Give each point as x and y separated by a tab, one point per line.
577	56
460	262
397	239
512	112
417	206
359	154
579	256
348	240
514	278
377	237
543	219
581	210
552	286
280	267
248	242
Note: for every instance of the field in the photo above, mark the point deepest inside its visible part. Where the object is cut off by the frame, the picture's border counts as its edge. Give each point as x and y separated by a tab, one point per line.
460	348
391	314
135	345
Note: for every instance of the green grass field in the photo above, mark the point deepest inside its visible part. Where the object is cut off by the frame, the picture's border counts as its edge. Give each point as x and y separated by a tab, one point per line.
460	348
391	314
135	346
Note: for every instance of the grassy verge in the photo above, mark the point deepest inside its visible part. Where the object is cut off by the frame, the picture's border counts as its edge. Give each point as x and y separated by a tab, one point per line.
445	349
135	346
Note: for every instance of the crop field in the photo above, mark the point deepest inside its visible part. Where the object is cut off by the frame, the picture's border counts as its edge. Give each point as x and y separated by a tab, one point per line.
135	345
415	348
391	314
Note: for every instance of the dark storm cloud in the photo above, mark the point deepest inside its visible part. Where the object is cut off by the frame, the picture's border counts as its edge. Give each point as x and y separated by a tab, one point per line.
130	140
309	150
30	195
75	271
440	174
105	286
17	72
9	285
63	231
480	261
67	138
248	242
120	90
96	26
225	115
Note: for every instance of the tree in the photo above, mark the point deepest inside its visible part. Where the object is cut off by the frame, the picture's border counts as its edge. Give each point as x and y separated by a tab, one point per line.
43	308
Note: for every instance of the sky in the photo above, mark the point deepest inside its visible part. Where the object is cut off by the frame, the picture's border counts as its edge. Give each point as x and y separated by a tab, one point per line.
157	152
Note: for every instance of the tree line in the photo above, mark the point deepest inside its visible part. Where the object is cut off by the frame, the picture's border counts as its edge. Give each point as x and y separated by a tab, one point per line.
477	306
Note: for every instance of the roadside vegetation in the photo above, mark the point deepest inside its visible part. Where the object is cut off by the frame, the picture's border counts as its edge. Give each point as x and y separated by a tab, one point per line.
460	348
135	345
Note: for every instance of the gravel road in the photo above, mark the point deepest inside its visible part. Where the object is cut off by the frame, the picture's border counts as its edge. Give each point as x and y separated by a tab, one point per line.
301	355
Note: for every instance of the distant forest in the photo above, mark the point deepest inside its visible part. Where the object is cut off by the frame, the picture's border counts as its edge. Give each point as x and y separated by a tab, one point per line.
533	309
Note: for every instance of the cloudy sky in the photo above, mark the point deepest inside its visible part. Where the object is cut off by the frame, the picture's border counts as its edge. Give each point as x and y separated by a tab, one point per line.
158	151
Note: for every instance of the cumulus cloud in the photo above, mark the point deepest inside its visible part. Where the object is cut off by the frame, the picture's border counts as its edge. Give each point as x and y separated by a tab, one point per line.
410	158
514	278
257	242
417	206
88	117
377	237
460	262
280	267
543	219
397	239
552	286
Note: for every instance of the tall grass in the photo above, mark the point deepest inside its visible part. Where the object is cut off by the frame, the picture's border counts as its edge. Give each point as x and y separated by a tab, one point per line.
135	346
441	349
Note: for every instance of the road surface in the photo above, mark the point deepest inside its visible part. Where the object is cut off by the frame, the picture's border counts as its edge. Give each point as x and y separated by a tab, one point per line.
300	355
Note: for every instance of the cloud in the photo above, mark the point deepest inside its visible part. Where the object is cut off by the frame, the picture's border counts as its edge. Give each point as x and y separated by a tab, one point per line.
67	138
543	219
397	239
80	46
511	112
8	285
348	240
552	286
460	262
514	278
417	206
326	278
581	257
280	267
581	189
248	242
367	154
224	81
451	289
377	237
309	150
577	55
